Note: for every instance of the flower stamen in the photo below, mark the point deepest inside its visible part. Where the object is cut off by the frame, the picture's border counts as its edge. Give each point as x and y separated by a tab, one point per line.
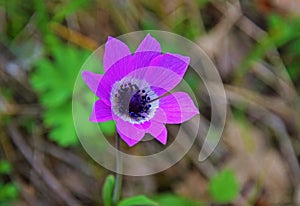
133	103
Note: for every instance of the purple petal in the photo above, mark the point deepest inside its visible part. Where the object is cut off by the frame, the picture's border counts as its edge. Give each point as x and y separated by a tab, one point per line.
178	107
92	79
131	142
158	131
144	125
115	73
161	80
159	116
101	112
163	136
120	69
114	51
143	59
158	91
129	131
175	62
149	44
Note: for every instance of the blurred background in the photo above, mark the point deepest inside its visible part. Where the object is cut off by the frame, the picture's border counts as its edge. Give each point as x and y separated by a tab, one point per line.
255	46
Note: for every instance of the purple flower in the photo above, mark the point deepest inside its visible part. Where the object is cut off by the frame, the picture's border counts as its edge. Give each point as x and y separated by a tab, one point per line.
133	91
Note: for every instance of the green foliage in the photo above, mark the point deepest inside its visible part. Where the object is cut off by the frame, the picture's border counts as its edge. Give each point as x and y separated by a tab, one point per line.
5	167
107	191
8	191
294	56
281	32
158	200
224	187
186	27
18	14
41	14
54	81
138	201
68	8
287	31
174	200
148	24
107	196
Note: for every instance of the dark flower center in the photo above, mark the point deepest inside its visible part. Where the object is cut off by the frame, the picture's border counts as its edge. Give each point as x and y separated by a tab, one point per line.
133	102
139	105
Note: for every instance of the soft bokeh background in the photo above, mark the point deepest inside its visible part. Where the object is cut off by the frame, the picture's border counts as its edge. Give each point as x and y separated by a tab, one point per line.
256	48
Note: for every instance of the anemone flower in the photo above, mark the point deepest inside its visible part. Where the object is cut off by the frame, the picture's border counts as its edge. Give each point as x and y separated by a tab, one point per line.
134	90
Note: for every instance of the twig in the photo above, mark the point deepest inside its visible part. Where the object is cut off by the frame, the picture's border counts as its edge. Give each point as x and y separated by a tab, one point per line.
211	41
285	85
276	124
67	157
43	172
275	105
74	36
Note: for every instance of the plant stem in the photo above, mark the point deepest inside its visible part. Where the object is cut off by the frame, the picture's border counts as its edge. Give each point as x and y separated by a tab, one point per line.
118	183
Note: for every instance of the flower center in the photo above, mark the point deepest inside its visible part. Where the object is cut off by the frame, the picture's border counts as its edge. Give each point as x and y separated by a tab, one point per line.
132	100
139	105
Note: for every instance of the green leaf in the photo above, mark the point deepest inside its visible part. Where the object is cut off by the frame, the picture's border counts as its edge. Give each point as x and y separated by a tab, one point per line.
41	12
174	200
107	190
8	191
283	30
224	187
54	81
68	8
138	200
5	167
62	127
16	13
